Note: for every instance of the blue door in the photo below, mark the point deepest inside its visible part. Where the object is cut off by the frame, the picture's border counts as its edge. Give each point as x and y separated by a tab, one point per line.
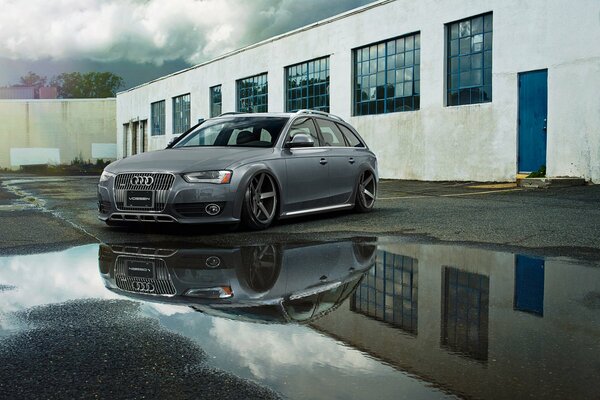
529	284
533	114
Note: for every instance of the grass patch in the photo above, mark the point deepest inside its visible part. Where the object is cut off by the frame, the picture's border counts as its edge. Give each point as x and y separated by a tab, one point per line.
77	167
540	173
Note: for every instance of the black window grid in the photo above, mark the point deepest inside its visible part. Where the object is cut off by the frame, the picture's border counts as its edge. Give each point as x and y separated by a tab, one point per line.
387	76
252	94
216	105
465	313
157	116
181	113
389	292
307	85
469	61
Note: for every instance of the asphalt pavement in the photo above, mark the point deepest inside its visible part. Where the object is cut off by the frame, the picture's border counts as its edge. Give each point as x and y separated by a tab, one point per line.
37	213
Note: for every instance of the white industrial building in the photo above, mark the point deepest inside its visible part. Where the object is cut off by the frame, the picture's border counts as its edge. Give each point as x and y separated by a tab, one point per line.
56	131
440	90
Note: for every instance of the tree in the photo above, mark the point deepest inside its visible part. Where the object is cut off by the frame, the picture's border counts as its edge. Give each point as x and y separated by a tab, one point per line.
32	79
75	85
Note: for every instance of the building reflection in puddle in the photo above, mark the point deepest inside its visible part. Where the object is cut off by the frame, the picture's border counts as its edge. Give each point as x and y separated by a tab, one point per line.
478	323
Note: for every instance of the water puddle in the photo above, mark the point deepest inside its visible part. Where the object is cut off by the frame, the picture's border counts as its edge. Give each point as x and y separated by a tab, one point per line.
343	319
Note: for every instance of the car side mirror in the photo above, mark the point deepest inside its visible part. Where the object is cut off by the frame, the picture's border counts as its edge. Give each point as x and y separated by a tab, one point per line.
300	140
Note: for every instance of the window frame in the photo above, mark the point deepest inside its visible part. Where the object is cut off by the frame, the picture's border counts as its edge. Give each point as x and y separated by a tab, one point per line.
480	62
304	73
161	118
181	119
212	93
288	136
361	74
264	86
323	144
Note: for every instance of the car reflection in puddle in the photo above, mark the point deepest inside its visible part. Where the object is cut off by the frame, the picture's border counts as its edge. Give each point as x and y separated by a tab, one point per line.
269	283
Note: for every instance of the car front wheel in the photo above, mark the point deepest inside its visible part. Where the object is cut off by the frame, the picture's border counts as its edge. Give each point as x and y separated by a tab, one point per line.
366	192
260	202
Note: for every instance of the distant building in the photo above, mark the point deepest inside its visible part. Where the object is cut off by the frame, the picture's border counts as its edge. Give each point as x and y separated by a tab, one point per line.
28	93
17	92
440	90
56	131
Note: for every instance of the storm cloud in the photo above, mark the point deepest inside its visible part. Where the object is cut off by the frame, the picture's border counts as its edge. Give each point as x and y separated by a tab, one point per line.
149	31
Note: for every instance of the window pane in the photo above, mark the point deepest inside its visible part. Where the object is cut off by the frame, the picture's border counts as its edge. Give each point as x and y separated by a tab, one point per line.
454	31
487	26
477	60
487	59
253	94
453	65
487	41
465	46
454	47
330	133
350	137
312	82
464	28
389	67
469	60
477	25
477	42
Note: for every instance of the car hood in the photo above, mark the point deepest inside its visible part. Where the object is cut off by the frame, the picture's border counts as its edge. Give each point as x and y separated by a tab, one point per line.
181	160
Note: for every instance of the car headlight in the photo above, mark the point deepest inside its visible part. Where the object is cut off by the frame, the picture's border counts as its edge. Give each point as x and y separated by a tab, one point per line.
208	177
106	176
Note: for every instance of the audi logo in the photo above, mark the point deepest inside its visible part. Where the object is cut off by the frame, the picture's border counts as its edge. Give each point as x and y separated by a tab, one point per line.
144	287
141	180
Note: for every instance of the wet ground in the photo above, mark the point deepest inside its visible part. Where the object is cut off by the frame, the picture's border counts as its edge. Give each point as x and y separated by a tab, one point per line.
339	307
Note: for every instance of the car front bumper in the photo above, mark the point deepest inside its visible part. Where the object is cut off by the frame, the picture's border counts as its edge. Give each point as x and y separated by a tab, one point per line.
184	202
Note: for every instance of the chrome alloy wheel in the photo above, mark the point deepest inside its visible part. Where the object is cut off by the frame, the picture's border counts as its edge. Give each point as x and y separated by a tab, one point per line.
367	190
262	196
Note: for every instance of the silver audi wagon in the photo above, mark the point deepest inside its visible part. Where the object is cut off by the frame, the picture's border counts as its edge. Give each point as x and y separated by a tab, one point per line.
249	168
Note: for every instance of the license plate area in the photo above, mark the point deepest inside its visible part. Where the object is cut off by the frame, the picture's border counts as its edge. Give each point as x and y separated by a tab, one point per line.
140	268
139	199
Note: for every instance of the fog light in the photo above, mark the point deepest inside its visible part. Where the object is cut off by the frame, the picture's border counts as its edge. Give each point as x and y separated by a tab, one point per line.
212	209
213	262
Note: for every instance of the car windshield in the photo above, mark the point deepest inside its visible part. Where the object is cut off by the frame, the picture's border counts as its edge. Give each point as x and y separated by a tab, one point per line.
236	132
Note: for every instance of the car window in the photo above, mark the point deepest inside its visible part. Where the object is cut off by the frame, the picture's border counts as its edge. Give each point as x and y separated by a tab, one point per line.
305	126
350	136
330	133
236	131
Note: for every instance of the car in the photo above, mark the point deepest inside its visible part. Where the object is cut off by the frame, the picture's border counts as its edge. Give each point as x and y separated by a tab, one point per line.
270	283
249	168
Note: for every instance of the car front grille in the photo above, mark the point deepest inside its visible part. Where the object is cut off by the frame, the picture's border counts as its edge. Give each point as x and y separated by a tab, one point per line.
161	186
161	284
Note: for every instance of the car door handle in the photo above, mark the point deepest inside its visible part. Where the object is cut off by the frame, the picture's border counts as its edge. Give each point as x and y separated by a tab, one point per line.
323	161
351	160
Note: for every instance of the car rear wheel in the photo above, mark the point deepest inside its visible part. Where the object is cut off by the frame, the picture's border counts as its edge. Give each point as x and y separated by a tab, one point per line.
260	202
366	192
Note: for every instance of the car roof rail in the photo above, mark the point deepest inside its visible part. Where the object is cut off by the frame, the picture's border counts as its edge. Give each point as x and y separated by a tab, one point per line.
230	113
316	112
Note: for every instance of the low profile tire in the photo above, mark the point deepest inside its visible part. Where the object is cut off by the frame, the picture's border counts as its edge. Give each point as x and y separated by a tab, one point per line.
366	192
260	202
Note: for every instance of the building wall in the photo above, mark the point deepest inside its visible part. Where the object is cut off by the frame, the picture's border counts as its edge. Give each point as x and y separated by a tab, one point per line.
471	142
56	131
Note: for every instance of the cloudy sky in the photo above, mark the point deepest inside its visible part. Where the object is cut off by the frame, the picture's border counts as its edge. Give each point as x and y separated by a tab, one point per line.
141	39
